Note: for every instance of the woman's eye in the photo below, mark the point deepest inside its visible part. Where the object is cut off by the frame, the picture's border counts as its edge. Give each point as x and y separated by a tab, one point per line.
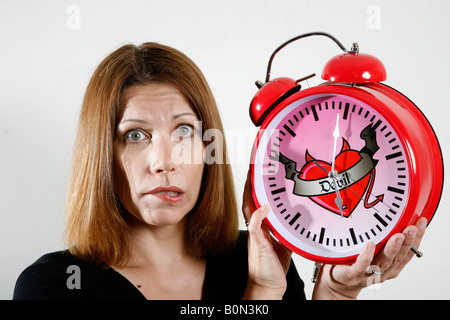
185	131
135	136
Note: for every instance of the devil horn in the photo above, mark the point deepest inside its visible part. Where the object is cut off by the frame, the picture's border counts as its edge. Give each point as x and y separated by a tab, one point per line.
308	157
345	145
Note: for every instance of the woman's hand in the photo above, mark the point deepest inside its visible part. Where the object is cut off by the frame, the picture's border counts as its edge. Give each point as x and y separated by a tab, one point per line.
346	282
268	260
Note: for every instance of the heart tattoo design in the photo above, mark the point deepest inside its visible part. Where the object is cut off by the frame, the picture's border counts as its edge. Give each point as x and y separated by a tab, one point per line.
353	177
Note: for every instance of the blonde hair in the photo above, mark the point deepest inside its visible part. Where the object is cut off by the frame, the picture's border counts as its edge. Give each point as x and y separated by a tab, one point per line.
96	227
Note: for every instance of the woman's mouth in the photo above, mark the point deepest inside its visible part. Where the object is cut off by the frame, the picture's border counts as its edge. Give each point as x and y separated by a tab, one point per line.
170	195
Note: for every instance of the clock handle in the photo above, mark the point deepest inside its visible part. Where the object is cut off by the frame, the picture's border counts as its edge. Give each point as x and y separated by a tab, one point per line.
269	65
316	270
416	251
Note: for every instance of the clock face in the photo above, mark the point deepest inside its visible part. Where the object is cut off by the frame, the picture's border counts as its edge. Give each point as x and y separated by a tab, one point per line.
320	211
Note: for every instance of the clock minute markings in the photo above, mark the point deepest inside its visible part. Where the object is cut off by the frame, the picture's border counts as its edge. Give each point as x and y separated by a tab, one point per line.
396	190
295	218
347	107
314	111
289	130
377	124
380	219
352	234
394	155
277	191
322	235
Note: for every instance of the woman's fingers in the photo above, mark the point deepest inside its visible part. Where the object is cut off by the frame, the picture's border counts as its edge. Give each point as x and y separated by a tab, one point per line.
354	276
254	226
364	260
397	251
386	257
248	207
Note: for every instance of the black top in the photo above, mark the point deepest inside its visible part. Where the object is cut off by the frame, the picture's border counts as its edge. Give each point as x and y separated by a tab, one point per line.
51	278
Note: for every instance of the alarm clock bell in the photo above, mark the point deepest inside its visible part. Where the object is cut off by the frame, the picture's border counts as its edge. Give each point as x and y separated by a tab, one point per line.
354	67
349	67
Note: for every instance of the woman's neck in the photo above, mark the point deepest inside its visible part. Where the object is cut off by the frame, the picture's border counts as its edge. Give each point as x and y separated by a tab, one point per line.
153	246
160	266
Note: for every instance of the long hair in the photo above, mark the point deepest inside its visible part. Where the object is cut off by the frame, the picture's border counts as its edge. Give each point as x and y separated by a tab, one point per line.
96	227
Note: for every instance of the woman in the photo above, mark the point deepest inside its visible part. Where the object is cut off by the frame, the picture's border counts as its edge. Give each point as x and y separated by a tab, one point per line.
151	209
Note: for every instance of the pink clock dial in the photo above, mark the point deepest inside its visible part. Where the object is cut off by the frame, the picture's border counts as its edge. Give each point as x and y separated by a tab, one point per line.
296	179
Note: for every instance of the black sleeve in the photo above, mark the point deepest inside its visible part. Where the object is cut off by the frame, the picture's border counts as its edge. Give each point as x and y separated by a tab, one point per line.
35	284
46	279
62	276
227	274
295	287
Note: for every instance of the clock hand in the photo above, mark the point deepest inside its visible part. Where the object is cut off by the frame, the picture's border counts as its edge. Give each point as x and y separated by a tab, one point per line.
370	194
333	173
338	199
336	136
372	206
318	164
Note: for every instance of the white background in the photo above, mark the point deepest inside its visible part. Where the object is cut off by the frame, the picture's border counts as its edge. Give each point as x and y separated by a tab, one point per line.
49	50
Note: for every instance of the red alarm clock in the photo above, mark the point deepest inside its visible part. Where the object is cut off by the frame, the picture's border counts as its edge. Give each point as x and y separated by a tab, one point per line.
343	163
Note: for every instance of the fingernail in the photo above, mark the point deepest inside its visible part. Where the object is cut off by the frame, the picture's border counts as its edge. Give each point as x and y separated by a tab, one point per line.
412	233
264	208
422	224
399	241
371	246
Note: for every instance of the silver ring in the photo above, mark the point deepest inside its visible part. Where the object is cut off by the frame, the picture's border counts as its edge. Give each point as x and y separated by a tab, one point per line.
376	271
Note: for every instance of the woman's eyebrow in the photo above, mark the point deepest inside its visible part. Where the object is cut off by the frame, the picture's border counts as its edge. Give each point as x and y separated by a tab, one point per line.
133	120
176	116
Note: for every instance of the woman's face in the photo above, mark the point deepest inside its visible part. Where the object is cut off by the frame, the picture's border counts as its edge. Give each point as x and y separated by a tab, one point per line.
158	155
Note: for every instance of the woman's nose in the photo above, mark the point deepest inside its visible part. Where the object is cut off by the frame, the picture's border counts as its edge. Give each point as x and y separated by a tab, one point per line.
160	157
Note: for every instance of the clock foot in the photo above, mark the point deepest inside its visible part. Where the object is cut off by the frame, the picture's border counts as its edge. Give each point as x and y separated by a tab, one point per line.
418	253
316	270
